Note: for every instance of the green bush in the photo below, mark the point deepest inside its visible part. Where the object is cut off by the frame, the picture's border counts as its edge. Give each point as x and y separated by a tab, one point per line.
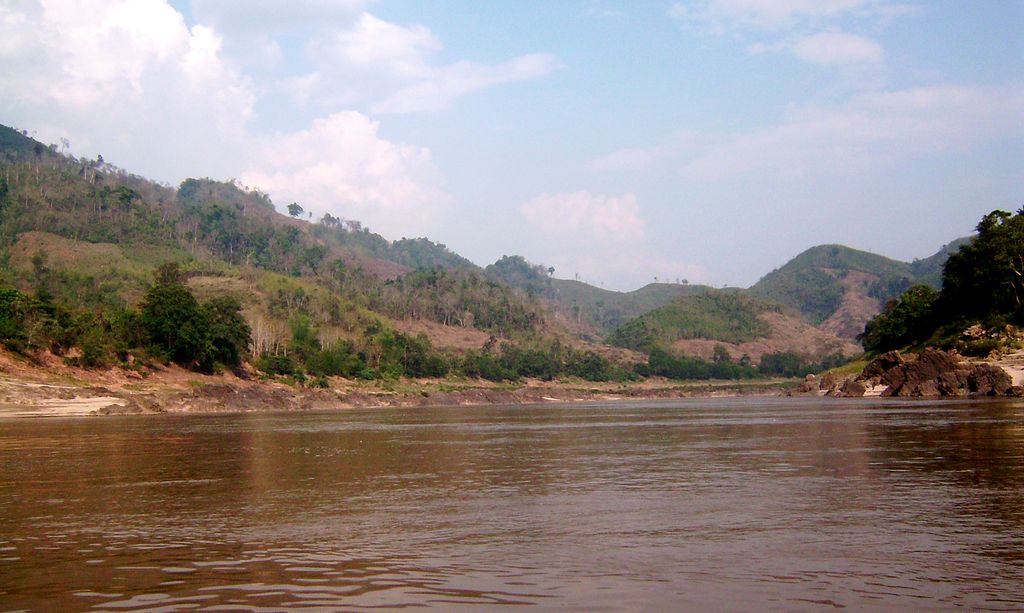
908	320
277	365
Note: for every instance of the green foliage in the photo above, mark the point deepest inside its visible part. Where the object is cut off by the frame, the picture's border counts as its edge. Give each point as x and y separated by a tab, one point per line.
724	316
424	253
277	365
189	334
555	360
14	308
227	330
812	281
985	278
517	272
791	364
174	323
483	365
459	297
982	282
662	363
928	271
339	360
905	321
607	310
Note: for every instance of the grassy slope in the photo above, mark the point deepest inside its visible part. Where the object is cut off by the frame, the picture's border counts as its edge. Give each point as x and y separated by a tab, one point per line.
606	310
724	316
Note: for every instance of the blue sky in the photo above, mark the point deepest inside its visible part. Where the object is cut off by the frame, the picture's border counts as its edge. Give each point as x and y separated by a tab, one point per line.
707	140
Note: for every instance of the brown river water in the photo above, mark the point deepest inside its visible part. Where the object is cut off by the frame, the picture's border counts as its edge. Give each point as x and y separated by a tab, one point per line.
717	504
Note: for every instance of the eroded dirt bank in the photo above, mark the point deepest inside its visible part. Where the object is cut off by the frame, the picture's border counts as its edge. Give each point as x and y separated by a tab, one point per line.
50	388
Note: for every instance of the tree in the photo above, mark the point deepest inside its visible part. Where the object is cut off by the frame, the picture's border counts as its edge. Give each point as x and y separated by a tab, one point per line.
985	278
294	209
174	323
905	321
229	333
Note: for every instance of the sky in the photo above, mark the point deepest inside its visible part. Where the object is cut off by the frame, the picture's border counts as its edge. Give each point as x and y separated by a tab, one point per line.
618	141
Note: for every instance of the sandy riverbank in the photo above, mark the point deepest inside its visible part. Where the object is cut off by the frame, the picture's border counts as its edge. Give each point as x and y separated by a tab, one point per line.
49	388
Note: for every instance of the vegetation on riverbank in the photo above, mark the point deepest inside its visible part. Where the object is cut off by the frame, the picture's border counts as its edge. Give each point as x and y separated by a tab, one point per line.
981	303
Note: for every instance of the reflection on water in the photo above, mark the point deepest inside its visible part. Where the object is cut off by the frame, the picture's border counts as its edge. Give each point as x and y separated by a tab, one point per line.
739	504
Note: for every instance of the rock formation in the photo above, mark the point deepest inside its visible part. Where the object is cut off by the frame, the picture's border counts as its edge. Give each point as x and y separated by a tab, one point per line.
930	373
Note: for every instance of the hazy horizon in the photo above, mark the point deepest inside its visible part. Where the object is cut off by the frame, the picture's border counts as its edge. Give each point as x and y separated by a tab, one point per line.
618	141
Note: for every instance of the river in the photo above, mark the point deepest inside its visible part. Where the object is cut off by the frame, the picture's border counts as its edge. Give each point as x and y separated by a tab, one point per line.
713	504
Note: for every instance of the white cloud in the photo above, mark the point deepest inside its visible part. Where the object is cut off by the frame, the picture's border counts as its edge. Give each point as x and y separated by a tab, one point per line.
102	72
827	49
719	16
810	29
374	44
342	166
835	48
261	16
870	131
587	217
448	83
391	67
600	239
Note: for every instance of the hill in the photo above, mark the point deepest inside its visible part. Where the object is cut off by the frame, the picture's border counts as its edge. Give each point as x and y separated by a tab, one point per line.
839	289
729	320
929	269
591	311
81	243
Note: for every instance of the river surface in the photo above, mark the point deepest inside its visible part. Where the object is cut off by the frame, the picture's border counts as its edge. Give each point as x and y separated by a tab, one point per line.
717	504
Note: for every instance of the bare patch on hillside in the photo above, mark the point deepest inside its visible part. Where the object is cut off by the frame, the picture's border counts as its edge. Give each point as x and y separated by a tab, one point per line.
385	270
856	308
66	254
444	337
788	334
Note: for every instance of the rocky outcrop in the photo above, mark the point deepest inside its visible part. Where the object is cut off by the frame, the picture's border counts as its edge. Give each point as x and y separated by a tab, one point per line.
930	373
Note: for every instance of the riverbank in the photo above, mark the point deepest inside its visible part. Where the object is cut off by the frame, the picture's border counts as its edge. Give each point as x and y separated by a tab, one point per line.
930	373
50	388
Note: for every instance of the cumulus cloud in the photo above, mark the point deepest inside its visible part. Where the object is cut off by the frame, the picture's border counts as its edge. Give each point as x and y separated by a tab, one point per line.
869	131
342	166
101	72
392	67
131	80
276	15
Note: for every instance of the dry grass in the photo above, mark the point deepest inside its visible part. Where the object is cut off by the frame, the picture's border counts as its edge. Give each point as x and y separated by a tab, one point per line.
788	334
70	255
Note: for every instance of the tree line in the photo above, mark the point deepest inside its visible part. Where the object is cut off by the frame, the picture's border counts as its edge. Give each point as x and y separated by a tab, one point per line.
982	284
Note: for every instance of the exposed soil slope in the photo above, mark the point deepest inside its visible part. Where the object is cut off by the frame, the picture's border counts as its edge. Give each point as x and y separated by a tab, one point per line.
788	334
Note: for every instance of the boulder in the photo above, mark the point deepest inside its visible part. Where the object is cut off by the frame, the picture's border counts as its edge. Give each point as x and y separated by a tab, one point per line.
930	373
989	380
882	364
851	388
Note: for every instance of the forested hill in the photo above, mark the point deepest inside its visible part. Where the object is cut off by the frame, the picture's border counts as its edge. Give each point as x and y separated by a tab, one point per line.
81	241
590	310
840	289
203	216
